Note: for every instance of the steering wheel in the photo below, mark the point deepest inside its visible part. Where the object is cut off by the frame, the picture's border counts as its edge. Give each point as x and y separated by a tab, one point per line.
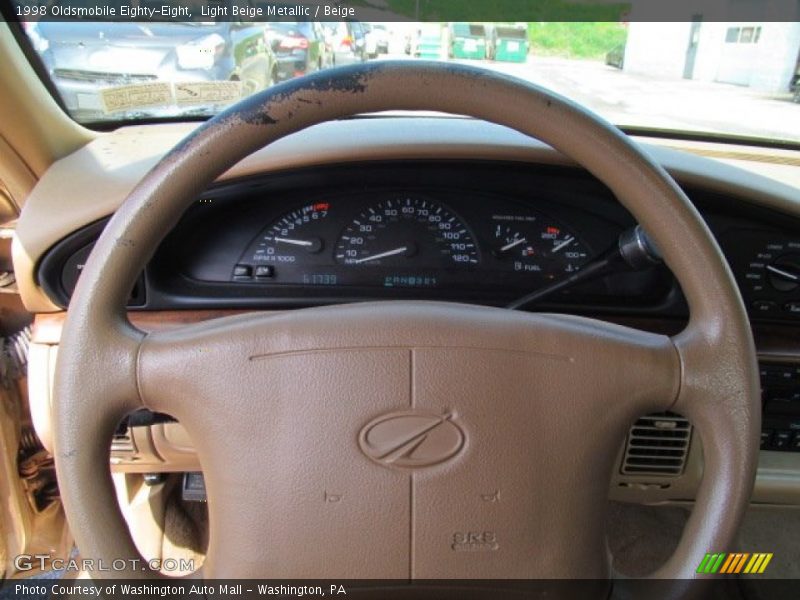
406	440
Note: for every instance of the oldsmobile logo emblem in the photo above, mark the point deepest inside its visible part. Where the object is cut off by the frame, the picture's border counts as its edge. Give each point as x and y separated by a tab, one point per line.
411	439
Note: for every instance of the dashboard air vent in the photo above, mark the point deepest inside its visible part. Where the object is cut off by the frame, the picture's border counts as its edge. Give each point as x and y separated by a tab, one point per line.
657	444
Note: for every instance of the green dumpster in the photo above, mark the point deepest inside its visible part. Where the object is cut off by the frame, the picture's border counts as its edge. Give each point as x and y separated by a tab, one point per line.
468	40
511	43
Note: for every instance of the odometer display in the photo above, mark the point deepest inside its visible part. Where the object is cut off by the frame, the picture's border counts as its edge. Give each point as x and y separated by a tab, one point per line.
407	233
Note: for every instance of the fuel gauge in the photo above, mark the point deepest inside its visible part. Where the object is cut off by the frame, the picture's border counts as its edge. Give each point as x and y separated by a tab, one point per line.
528	244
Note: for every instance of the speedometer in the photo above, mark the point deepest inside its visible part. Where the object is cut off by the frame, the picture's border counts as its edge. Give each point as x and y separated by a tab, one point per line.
408	233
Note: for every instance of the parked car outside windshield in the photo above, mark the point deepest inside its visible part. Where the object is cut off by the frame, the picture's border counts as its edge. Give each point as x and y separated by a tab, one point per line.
300	47
83	59
377	39
347	41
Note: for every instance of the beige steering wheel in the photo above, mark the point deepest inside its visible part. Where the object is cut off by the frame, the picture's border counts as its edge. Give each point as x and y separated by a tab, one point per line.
457	441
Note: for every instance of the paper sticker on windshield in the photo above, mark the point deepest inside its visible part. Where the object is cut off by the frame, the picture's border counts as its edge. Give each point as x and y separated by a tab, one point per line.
208	92
134	96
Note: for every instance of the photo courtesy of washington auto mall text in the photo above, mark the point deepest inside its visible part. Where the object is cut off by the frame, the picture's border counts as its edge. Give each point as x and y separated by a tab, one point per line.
176	589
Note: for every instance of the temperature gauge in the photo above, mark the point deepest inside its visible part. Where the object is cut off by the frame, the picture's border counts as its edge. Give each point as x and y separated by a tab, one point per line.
529	244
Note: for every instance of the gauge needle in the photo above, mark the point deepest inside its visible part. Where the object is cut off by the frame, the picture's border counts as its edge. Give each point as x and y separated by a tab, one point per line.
566	242
381	255
782	273
294	241
513	244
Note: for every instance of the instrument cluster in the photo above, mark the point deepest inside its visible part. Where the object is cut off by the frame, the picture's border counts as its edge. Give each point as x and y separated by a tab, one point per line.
476	233
411	240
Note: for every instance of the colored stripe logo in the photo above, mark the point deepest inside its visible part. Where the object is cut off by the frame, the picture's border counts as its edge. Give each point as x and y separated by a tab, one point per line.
734	563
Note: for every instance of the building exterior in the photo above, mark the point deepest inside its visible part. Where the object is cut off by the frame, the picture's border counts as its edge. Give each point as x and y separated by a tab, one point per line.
763	56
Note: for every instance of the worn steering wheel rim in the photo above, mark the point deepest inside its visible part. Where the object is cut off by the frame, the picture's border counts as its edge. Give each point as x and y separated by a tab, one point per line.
104	362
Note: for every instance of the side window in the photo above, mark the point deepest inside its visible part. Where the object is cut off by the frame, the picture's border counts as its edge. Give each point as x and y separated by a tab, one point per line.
742	35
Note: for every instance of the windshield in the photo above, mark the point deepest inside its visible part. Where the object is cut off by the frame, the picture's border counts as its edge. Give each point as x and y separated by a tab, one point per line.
693	77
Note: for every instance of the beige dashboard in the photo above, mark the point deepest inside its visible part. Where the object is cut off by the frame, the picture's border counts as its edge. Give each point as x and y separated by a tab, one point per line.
92	182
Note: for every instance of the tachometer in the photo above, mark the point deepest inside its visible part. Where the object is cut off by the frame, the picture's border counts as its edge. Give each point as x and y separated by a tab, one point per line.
291	235
288	249
407	232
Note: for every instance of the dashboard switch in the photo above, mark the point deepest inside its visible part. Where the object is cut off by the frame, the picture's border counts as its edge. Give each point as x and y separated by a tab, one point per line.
764	306
778	374
781	440
194	488
264	271
242	271
792	308
780	385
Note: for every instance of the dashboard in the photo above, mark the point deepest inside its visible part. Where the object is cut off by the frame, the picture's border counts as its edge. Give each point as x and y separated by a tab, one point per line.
417	230
486	233
477	231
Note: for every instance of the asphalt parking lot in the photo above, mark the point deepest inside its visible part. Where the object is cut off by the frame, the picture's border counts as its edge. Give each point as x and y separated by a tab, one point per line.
639	100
